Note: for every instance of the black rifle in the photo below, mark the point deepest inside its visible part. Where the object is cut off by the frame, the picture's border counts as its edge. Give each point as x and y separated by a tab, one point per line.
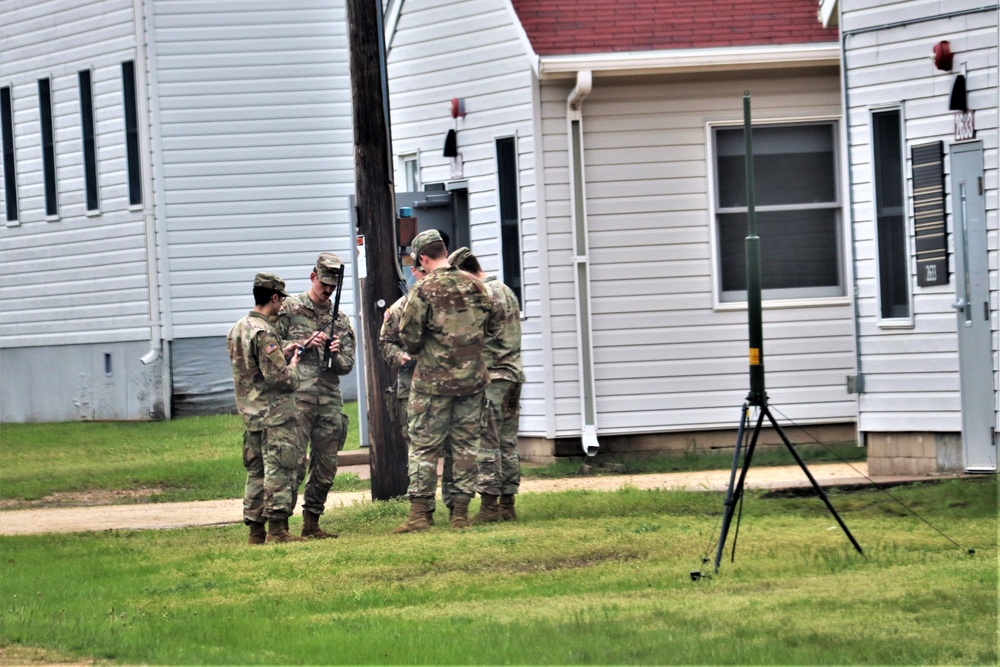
328	357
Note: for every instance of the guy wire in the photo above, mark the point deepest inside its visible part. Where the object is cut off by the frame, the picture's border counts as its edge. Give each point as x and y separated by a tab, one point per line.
870	480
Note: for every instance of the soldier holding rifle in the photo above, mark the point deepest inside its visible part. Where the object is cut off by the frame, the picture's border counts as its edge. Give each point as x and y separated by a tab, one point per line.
328	347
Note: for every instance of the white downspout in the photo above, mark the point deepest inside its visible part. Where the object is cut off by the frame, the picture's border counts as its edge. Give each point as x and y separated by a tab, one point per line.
155	352
581	260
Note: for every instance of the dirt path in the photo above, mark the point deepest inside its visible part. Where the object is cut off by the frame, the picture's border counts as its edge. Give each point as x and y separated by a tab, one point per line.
221	512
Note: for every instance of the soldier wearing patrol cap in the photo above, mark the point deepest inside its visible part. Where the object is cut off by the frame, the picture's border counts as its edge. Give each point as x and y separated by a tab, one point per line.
444	323
499	465
305	318
273	448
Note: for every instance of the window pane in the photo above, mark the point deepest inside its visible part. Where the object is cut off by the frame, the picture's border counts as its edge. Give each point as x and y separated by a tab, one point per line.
9	168
893	258
89	147
510	236
792	165
48	146
798	249
893	274
131	134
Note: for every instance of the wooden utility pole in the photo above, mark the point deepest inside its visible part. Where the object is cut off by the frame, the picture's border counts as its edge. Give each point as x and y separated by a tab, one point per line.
376	216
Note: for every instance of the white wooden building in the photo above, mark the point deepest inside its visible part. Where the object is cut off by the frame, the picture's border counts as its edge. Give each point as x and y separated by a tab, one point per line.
600	154
158	153
924	198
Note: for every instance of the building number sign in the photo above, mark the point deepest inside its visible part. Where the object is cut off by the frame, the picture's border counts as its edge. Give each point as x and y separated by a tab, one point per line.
965	125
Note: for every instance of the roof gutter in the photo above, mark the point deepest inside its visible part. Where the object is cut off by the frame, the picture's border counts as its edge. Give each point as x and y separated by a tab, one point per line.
716	59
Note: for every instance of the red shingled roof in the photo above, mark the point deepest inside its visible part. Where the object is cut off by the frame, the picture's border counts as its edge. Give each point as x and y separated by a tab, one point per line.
559	27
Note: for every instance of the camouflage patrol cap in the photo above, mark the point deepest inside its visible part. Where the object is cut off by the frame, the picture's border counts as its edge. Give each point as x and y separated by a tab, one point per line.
422	240
270	281
328	268
459	256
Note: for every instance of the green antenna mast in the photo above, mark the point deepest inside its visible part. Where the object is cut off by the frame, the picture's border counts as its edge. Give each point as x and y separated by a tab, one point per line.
758	395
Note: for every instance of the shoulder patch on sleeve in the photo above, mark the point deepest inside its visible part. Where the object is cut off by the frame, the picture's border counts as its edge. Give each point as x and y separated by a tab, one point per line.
270	348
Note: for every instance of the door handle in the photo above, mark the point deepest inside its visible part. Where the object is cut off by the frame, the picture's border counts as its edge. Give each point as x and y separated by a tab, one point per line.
959	305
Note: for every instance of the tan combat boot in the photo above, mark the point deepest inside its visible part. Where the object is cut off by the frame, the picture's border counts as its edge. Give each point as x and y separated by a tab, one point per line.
417	520
258	533
489	510
277	531
311	529
460	518
507	512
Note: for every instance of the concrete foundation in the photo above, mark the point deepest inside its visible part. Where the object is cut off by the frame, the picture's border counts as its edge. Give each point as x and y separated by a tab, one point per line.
914	453
545	450
101	381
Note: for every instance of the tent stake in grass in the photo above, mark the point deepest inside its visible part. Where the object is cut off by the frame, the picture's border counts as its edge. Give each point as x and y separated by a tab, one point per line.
758	395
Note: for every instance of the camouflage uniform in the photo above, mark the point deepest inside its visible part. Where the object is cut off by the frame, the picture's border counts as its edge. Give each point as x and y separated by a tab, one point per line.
499	465
392	350
320	404
445	320
273	448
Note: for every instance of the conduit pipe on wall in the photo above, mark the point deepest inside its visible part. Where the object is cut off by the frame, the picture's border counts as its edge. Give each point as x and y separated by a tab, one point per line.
581	261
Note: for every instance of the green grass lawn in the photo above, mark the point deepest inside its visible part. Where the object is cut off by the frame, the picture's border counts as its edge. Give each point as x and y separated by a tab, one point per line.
631	464
194	458
582	578
200	458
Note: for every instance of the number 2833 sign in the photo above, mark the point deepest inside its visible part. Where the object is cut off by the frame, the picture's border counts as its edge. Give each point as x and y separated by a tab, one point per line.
965	125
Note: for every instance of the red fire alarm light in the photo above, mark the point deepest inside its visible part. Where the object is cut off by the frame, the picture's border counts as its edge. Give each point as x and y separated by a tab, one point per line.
943	56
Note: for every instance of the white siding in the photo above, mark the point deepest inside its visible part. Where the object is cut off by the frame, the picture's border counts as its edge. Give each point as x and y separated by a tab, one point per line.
665	359
442	49
911	375
255	149
77	279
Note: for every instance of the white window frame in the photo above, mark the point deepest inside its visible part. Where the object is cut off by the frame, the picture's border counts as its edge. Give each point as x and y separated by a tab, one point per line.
48	217
16	222
520	230
90	212
404	160
907	322
788	298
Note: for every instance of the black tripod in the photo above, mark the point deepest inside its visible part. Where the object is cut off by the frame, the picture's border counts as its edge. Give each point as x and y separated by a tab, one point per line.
757	396
735	491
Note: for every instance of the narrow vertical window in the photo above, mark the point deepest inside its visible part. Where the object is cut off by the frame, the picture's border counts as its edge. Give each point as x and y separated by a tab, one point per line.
890	221
48	147
9	169
510	230
411	173
89	147
131	134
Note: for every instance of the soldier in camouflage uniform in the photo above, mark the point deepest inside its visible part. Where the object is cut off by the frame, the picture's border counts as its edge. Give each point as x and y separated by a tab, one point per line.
274	452
445	322
305	318
499	464
394	352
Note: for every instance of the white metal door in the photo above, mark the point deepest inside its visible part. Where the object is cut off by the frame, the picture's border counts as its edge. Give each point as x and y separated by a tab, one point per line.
972	305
